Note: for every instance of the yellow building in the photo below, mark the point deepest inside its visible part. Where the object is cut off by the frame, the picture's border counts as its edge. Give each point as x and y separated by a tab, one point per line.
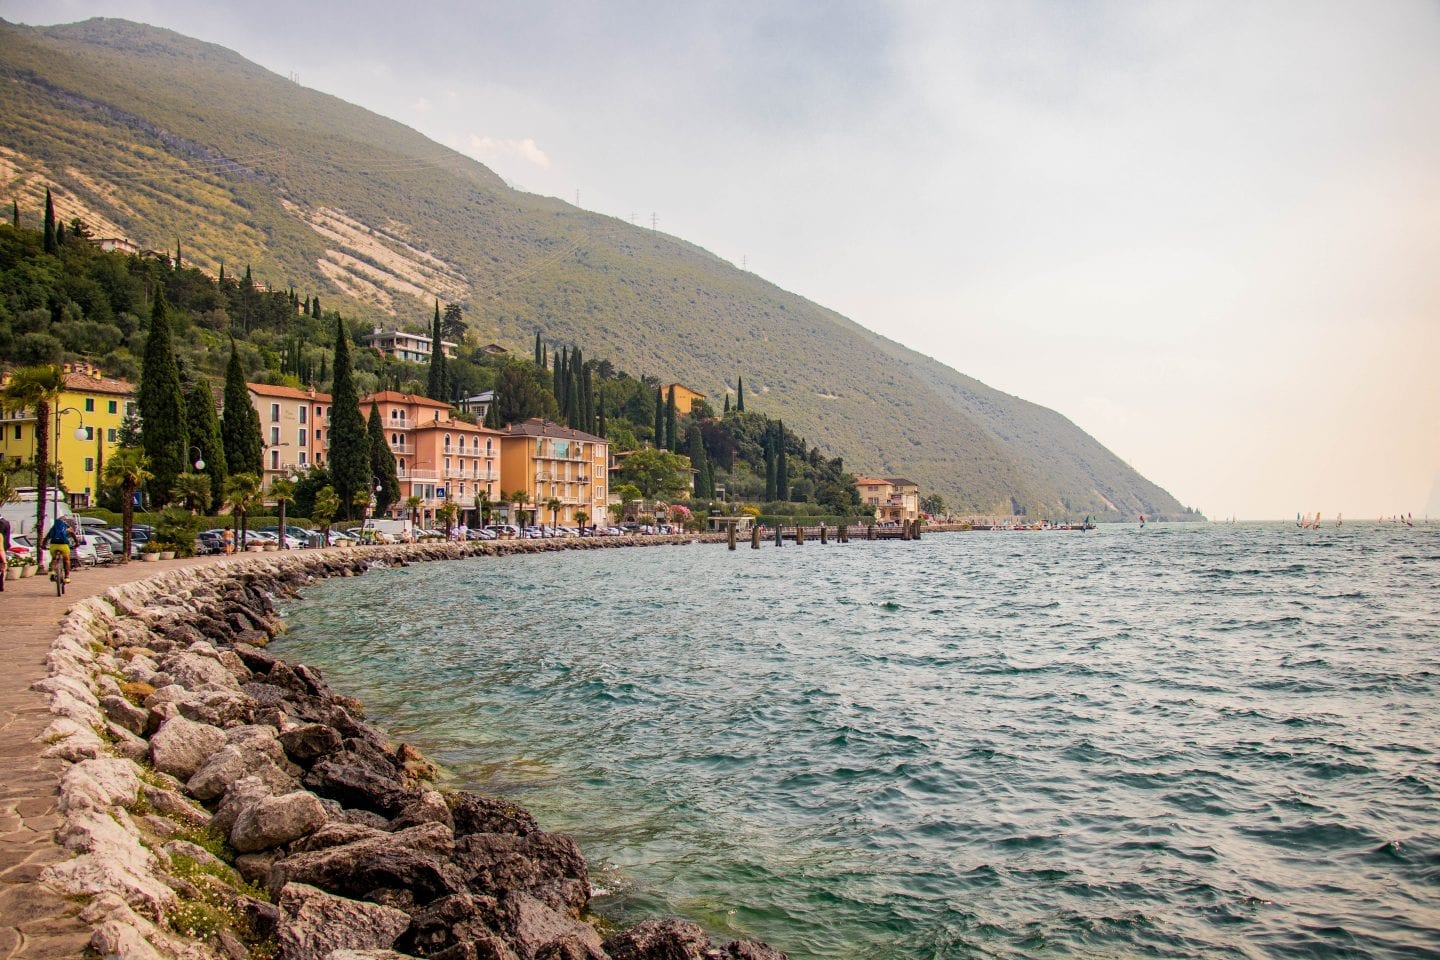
294	429
894	499
546	461
684	397
84	429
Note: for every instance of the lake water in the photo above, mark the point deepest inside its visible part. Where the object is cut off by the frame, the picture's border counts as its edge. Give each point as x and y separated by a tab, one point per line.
1181	741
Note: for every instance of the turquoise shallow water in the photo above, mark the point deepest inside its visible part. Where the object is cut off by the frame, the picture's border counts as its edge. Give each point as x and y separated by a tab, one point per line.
1182	741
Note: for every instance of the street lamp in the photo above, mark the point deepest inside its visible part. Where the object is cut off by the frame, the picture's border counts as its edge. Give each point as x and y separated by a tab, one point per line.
79	435
199	462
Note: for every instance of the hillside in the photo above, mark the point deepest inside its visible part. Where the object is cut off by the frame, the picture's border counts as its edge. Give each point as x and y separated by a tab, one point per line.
147	134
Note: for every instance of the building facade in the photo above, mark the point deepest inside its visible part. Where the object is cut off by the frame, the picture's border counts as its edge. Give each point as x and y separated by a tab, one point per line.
84	430
549	461
893	499
294	429
437	457
415	347
684	397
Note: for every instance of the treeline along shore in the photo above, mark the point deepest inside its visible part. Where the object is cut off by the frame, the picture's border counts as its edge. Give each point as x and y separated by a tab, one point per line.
222	802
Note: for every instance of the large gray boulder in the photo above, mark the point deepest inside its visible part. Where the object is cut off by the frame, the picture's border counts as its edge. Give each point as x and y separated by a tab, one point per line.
315	924
414	863
181	746
236	760
272	821
659	940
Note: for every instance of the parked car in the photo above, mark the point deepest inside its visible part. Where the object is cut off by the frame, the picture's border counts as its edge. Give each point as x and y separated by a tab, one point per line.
477	534
210	542
115	538
504	529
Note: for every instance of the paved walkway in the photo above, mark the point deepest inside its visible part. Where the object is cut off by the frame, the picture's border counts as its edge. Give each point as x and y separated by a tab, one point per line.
36	922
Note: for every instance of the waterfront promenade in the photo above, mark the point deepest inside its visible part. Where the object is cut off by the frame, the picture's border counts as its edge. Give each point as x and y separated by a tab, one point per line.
36	922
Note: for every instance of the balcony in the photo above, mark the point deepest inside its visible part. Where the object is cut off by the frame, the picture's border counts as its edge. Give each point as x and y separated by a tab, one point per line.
403	449
418	474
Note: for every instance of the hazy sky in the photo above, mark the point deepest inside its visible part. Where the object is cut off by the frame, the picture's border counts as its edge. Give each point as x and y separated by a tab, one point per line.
1208	233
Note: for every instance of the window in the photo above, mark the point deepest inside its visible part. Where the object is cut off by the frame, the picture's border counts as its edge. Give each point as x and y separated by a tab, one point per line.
302	458
110	406
89	433
129	407
274	436
303	412
89	465
274	459
89	404
112	435
317	433
17	437
302	434
447	441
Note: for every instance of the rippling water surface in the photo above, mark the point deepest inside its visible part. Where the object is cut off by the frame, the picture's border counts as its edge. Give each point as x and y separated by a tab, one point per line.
1181	741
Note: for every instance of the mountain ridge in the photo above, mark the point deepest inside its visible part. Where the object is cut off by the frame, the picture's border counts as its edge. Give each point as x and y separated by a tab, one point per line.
189	140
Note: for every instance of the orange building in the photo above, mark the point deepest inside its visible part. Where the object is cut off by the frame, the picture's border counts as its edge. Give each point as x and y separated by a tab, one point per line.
437	456
548	461
294	429
684	397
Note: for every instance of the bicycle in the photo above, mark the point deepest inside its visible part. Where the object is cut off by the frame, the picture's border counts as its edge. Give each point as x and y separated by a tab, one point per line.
57	572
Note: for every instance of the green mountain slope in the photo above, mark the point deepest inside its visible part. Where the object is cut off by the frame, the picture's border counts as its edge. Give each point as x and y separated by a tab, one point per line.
163	139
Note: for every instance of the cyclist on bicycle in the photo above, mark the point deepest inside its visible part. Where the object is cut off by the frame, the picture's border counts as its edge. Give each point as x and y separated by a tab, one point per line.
60	540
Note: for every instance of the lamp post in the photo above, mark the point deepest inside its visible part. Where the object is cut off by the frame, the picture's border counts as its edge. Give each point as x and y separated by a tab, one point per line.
79	435
199	463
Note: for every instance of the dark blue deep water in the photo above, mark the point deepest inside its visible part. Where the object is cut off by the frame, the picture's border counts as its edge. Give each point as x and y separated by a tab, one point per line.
1182	741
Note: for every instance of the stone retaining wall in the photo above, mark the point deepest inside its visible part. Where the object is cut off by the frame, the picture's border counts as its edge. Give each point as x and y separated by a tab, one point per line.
222	802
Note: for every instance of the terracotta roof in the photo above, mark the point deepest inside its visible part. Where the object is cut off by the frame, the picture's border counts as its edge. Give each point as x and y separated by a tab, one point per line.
457	425
395	396
94	383
273	390
536	427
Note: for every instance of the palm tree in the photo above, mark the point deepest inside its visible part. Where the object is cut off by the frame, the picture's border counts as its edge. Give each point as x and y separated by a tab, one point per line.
412	504
580	517
282	491
194	489
242	492
38	387
447	513
521	498
553	505
327	504
127	468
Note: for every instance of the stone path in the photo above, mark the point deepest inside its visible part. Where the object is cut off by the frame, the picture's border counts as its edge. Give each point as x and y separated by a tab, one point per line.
36	922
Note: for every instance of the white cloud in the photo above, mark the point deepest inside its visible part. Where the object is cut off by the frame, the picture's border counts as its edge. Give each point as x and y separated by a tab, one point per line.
503	154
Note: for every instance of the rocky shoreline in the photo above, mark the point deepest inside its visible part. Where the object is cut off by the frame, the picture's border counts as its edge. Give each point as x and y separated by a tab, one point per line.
225	803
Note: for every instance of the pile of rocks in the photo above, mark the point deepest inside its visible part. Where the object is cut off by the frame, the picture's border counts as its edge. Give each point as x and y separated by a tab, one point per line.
225	803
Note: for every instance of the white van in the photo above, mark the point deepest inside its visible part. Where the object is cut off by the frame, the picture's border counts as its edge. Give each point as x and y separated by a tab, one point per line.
385	530
22	524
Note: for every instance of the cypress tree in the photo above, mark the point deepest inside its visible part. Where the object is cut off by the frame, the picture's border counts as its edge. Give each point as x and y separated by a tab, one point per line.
221	282
659	420
162	406
492	412
556	387
740	394
782	471
601	430
437	387
14	213
539	351
51	245
60	234
769	470
382	462
697	459
204	429
587	404
672	441
315	306
727	403
240	422
349	436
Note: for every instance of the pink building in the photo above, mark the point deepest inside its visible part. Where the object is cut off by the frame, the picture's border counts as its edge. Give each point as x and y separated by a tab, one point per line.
294	429
436	456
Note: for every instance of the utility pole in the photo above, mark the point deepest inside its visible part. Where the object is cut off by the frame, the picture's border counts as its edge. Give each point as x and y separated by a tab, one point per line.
653	220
